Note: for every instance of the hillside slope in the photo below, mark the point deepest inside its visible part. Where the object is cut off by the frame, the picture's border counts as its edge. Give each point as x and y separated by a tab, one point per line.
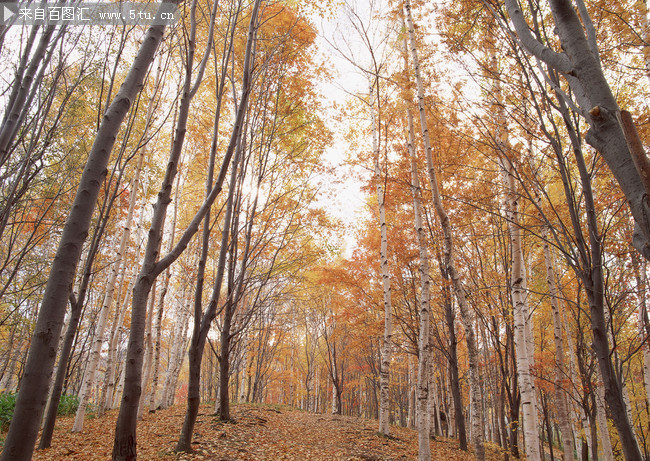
257	432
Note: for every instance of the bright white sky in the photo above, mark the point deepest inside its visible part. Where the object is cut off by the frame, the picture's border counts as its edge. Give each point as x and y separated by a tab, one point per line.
344	199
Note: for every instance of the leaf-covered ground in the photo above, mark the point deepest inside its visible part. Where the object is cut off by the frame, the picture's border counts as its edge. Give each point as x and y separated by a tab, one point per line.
257	432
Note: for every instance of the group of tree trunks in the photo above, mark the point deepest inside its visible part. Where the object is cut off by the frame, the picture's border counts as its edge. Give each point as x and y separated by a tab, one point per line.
287	306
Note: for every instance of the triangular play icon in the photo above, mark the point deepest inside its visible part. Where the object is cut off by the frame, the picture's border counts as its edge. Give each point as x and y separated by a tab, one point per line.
7	14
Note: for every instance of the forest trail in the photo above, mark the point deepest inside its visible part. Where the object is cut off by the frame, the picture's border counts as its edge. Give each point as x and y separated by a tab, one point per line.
258	432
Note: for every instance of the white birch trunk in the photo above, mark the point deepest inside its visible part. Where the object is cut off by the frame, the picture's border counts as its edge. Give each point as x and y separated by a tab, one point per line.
434	408
314	404
524	343
451	417
520	307
528	316
111	362
90	372
560	367
601	418
334	406
422	389
244	369
384	372
450	266
176	357
148	345
641	276
156	361
430	400
411	391
418	401
118	388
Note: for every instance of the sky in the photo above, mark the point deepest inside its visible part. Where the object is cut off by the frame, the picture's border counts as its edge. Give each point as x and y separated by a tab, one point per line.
344	198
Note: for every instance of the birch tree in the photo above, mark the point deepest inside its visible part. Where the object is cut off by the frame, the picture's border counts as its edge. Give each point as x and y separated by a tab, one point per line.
203	322
449	266
560	360
31	400
521	311
579	63
125	438
384	373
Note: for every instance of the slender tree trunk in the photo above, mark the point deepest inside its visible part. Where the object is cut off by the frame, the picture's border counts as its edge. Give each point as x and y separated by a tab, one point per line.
176	356
421	388
148	348
200	332
601	418
639	267
560	367
244	372
520	308
449	267
88	379
224	363
454	380
384	370
151	401
32	397
411	395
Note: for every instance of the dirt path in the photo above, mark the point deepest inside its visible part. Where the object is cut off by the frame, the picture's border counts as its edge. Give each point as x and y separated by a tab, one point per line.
257	433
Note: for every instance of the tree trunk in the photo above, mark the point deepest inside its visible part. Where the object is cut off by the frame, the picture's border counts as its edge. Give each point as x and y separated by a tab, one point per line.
639	267
200	331
580	64
520	308
454	380
384	370
601	417
560	367
176	357
411	395
151	401
449	267
32	397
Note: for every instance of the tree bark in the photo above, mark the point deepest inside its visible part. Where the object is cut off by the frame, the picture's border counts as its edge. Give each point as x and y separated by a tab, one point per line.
384	370
580	64
560	366
449	267
32	397
200	331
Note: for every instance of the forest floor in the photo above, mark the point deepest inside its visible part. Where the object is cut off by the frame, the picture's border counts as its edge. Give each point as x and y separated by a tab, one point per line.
257	432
